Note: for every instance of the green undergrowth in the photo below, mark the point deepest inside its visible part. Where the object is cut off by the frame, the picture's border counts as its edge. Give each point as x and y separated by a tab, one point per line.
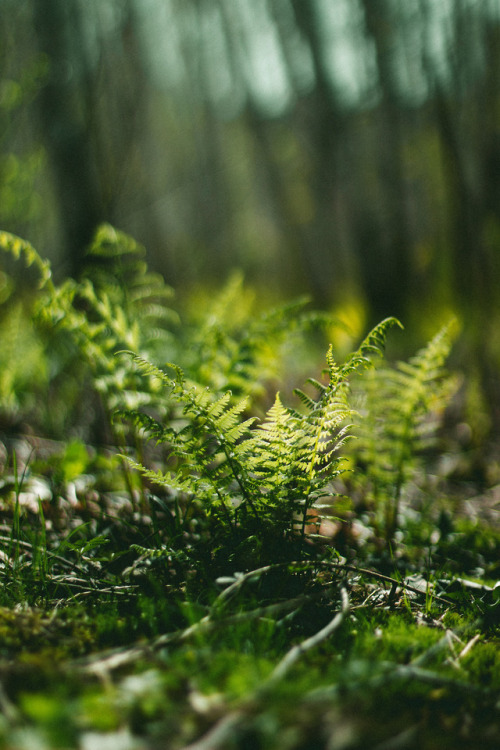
384	674
199	550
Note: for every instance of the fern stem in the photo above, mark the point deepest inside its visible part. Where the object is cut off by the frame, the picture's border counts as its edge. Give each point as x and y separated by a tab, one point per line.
246	497
225	510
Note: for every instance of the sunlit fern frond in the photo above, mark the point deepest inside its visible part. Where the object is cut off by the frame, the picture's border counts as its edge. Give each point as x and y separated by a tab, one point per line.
401	408
203	442
271	451
373	344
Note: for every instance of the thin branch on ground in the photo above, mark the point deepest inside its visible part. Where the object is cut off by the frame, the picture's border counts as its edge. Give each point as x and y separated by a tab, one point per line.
225	727
297	651
325	564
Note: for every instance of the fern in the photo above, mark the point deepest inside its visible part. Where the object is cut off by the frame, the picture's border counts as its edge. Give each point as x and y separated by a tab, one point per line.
325	425
236	346
254	483
401	407
203	446
23	368
117	305
116	267
259	481
19	248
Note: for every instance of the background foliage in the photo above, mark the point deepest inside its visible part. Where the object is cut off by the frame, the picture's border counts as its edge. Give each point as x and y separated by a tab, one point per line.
346	149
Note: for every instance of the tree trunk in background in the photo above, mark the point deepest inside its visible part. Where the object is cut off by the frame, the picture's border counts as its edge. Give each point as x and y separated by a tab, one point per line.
467	129
63	121
324	125
387	261
291	263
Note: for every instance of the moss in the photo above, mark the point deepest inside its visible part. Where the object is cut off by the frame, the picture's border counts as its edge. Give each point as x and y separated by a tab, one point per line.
395	637
482	664
70	633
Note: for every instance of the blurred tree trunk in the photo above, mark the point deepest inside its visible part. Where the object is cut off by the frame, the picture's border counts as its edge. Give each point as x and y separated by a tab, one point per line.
325	124
64	125
466	119
210	191
292	263
388	262
488	126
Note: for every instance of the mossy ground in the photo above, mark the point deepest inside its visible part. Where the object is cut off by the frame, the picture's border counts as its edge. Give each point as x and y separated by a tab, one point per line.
130	660
362	689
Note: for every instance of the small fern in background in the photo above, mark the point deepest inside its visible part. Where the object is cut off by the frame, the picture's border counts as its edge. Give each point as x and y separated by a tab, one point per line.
116	267
23	366
117	305
20	249
400	411
235	344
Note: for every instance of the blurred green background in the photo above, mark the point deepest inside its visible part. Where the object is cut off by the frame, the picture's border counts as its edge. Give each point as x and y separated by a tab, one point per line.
346	149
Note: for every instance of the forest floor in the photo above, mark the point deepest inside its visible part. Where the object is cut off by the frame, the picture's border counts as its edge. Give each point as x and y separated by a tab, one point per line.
102	647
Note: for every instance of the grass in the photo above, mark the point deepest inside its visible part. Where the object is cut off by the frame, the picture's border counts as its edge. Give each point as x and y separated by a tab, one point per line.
100	648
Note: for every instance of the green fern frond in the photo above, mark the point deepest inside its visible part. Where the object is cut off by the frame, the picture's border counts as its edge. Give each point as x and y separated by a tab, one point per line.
307	401
401	407
116	265
19	248
106	240
149	369
230	419
145	425
373	344
238	431
205	445
148	553
320	387
271	451
172	480
219	406
117	305
325	424
239	348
